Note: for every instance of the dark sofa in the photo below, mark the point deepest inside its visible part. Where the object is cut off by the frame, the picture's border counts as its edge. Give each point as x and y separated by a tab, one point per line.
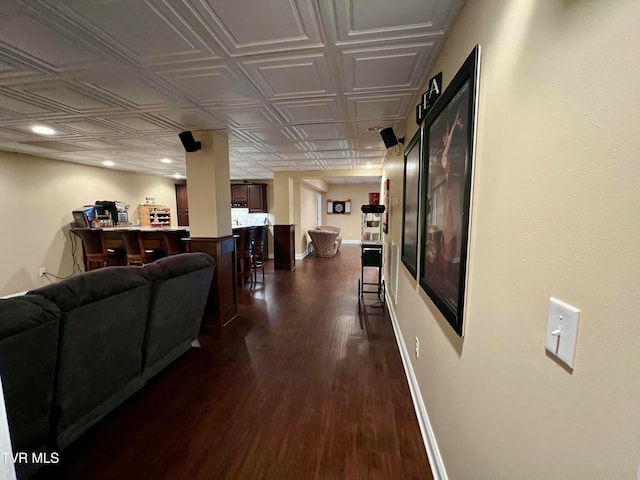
28	350
72	351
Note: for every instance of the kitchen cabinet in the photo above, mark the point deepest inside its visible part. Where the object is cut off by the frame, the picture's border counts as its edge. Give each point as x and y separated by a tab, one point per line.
257	198
239	195
249	195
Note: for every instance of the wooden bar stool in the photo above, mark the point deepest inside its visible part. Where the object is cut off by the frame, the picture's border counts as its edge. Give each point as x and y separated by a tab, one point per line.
134	246
244	252
259	249
96	254
172	241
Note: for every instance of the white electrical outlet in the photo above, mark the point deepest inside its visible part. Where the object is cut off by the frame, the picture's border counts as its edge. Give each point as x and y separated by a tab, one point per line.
417	348
42	271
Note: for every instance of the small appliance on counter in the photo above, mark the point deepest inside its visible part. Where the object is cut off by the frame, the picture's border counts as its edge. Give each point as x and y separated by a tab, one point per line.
118	211
123	213
85	216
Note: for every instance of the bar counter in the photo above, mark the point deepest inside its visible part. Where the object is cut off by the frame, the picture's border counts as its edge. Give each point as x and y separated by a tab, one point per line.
152	237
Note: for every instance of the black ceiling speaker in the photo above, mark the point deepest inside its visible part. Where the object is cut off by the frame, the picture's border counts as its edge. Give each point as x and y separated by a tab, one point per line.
389	138
188	142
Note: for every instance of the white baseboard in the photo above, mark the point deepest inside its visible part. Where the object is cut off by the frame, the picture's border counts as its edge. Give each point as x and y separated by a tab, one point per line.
300	256
349	242
428	437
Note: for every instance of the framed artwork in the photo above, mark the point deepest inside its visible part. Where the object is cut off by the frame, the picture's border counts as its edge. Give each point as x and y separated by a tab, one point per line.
411	204
448	151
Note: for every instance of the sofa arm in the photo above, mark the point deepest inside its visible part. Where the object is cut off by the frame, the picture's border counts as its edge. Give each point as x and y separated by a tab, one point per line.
29	327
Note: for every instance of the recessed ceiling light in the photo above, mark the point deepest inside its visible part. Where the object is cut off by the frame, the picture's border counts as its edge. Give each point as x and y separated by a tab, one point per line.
108	163
42	130
177	175
166	160
374	129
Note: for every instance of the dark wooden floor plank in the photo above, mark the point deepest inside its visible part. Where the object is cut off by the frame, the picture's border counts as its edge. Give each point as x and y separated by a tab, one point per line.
299	387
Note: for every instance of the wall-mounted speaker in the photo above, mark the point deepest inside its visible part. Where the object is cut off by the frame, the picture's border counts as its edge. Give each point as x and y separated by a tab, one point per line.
389	138
188	142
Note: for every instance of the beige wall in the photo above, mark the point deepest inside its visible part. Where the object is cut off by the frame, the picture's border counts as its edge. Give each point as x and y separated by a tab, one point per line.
308	215
555	214
37	196
359	195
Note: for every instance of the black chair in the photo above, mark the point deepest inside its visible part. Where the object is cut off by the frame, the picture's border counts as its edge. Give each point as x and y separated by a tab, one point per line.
96	254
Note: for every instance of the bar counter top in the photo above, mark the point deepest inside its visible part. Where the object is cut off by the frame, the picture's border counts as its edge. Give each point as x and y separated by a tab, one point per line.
144	229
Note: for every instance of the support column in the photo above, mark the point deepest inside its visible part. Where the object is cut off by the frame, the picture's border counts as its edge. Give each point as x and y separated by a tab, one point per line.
209	191
283	198
208	186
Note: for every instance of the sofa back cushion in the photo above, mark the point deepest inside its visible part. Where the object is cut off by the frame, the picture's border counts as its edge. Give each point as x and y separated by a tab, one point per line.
180	290
28	348
104	315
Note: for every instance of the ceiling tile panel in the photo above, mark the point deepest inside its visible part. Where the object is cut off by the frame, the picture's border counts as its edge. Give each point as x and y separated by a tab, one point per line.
296	156
263	157
314	111
137	91
273	135
332	155
41	43
290	77
359	21
191	119
19	106
246	149
146	32
385	68
360	130
248	116
5	66
135	122
54	145
244	31
272	163
379	106
65	96
323	145
138	142
214	84
322	132
88	127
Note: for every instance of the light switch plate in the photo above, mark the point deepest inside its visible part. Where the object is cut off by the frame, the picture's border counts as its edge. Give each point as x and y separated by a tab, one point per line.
562	330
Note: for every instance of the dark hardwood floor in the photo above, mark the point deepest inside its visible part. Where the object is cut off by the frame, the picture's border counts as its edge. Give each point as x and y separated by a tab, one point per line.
293	389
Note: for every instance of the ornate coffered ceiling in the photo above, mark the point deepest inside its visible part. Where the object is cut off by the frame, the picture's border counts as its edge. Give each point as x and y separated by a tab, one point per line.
294	84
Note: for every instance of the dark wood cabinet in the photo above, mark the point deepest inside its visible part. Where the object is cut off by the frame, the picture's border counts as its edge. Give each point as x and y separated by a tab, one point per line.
257	198
182	205
239	195
284	248
249	195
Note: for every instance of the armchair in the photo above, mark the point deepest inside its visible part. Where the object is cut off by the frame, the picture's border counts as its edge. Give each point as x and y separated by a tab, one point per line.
325	243
329	228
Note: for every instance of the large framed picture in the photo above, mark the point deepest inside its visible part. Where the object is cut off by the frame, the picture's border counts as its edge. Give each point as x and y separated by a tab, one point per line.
411	204
448	151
